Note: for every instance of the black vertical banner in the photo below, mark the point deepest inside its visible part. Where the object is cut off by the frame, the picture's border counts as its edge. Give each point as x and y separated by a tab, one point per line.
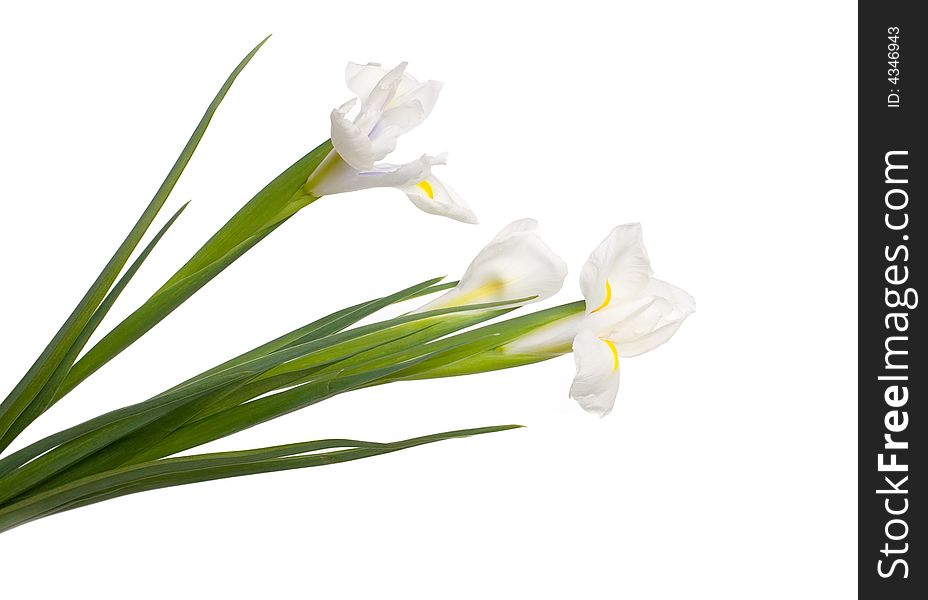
893	373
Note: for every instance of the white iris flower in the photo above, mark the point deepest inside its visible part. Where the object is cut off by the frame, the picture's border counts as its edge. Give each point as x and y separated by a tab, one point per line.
628	312
389	104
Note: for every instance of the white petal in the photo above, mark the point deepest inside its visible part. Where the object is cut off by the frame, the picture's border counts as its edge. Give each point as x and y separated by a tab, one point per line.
618	268
519	259
646	322
339	177
362	79
424	96
380	99
435	197
597	381
391	125
402	116
398	120
514	229
351	143
515	264
345	108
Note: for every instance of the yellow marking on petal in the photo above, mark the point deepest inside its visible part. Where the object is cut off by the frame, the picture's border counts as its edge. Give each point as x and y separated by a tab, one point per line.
615	354
427	188
606	301
486	291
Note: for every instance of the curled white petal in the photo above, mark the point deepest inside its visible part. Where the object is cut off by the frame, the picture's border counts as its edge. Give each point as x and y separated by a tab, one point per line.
618	267
597	380
515	264
351	143
438	198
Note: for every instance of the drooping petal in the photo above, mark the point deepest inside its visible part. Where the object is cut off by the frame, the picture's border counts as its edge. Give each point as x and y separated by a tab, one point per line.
597	380
438	198
641	324
515	264
618	268
415	179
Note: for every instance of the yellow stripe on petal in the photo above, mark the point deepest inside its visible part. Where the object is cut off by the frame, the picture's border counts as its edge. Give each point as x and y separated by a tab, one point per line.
484	293
615	354
607	300
427	188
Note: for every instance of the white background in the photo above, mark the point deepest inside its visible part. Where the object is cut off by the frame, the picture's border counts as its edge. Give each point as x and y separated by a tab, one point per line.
727	469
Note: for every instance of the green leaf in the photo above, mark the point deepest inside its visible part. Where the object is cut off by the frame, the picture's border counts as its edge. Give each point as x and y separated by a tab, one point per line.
328	325
164	435
269	209
42	460
104	431
144	444
138	448
205	467
43	368
47	397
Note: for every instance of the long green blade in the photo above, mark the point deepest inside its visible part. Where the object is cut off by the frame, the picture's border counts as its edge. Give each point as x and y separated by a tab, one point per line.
248	414
46	397
115	448
47	465
202	383
206	467
43	368
150	442
42	460
329	324
239	408
419	336
273	205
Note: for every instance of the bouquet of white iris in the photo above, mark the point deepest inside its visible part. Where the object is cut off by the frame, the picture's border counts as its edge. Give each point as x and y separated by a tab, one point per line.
625	312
